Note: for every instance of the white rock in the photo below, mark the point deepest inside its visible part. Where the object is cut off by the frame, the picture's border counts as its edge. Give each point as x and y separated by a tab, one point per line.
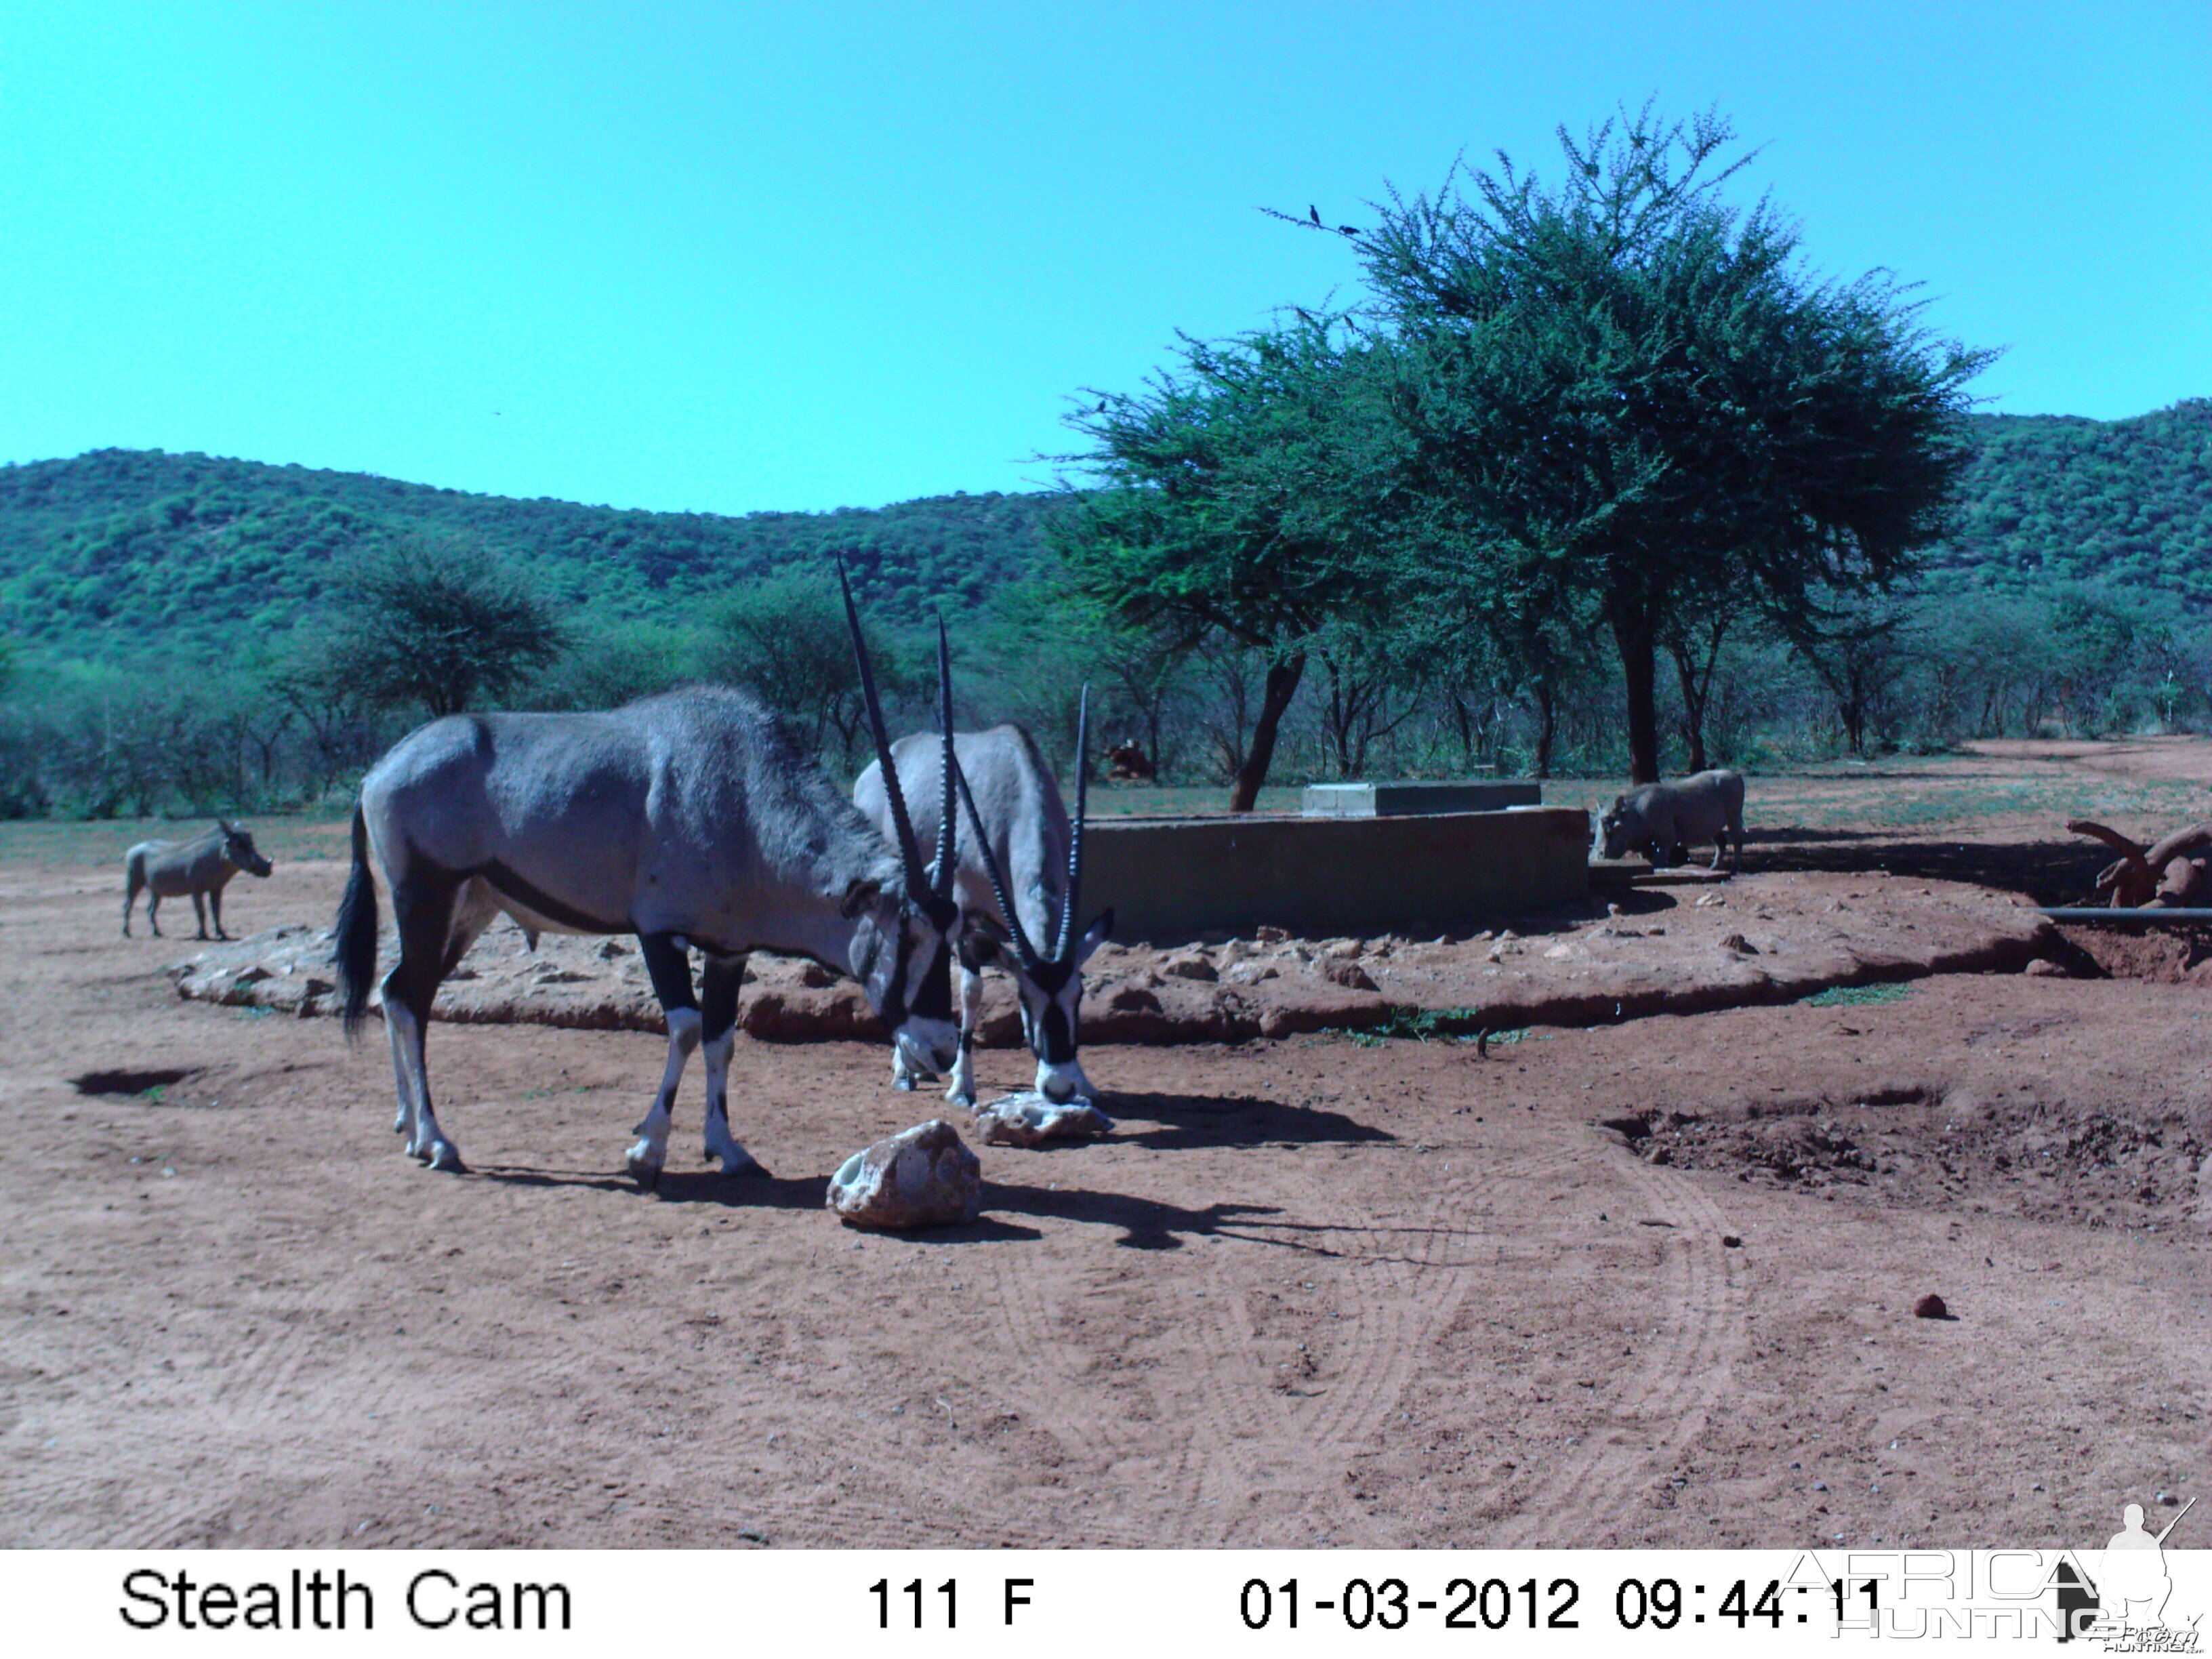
1027	1118
1249	973
924	1177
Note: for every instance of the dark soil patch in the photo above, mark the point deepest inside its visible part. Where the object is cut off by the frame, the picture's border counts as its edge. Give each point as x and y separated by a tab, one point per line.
2170	954
1912	1146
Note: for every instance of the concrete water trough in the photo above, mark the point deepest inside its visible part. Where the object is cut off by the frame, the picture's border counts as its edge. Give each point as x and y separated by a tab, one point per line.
1325	874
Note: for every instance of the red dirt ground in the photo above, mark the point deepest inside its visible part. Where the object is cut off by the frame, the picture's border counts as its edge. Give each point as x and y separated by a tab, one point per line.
1313	1290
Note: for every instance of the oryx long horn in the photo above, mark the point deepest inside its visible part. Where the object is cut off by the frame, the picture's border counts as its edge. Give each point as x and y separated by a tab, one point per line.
1067	941
910	848
946	819
1022	949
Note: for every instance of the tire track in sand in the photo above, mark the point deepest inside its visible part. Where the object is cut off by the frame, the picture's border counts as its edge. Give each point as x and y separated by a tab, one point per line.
1681	1376
1382	1291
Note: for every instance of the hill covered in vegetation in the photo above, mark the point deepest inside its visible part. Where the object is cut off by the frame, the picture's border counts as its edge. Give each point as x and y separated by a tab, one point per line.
129	557
2053	498
123	555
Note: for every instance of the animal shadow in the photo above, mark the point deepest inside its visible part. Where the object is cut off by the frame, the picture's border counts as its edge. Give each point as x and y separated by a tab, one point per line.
1194	1120
703	1186
1146	1224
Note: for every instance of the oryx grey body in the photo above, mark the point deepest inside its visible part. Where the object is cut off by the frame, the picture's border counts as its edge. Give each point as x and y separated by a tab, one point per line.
1018	802
690	820
201	868
1663	820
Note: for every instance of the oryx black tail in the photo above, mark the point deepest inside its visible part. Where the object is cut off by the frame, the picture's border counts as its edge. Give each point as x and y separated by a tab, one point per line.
355	952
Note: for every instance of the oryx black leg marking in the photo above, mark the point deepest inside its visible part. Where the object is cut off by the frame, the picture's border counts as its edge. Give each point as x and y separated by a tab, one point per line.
422	906
719	981
199	910
669	966
907	1074
976	952
214	904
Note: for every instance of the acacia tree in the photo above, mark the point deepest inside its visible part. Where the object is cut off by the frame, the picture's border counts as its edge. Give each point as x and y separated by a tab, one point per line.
441	626
785	639
1861	652
1693	636
1246	495
1372	680
1622	391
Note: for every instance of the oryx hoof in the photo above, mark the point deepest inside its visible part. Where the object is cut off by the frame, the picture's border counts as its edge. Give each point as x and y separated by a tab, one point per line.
444	1155
647	1175
902	1082
742	1163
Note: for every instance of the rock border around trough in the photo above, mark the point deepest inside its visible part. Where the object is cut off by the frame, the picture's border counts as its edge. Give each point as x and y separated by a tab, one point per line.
1763	939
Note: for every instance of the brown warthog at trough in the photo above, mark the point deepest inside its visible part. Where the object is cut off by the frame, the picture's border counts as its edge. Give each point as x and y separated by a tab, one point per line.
205	864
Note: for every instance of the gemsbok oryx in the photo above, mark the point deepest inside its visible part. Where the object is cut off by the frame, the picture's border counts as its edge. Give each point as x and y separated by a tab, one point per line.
689	820
1020	881
204	864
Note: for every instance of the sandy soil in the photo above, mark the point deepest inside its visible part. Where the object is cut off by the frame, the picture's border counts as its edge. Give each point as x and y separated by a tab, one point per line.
1646	1283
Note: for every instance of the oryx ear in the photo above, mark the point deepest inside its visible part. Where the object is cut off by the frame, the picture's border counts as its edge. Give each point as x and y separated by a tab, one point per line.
227	826
1094	935
861	895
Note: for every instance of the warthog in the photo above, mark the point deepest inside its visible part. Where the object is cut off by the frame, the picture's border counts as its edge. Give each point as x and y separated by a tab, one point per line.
1663	820
1127	762
170	869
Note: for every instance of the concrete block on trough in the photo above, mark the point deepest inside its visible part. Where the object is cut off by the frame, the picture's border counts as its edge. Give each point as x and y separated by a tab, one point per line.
1392	800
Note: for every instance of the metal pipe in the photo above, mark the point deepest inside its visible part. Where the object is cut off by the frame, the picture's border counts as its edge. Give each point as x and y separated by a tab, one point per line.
2144	916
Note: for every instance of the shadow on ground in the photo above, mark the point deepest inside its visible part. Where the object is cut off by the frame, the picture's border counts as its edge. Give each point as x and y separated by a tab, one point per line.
2047	872
1146	1224
1194	1120
704	1185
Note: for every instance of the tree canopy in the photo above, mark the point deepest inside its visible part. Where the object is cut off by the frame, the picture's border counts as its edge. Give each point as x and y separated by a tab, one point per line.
443	627
1625	397
1247	494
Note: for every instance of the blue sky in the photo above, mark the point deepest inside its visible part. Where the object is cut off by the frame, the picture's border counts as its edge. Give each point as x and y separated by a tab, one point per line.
726	258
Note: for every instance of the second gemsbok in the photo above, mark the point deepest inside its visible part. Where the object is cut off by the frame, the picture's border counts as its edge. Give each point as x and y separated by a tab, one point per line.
1019	884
